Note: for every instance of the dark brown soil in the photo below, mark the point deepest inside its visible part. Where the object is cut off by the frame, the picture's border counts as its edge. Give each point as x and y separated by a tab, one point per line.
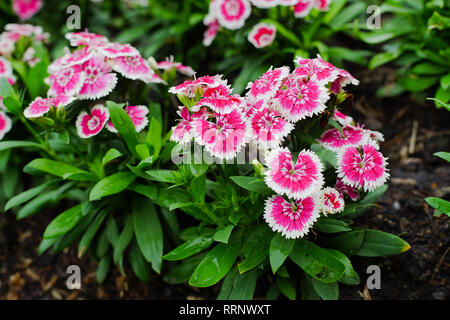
413	133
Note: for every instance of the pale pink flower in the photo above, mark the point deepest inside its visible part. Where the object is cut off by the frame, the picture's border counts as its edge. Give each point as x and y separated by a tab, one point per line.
89	125
220	99
5	124
99	81
6	45
38	107
77	57
114	50
5	68
186	70
299	99
85	38
292	218
268	128
288	2
25	9
167	64
66	81
268	84
156	79
295	179
362	167
332	201
231	14
224	137
352	193
133	68
210	33
265	3
262	35
351	136
138	115
62	100
2	105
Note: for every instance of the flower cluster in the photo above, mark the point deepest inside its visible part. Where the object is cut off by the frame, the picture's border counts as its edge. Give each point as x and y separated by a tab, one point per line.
232	14
25	9
14	32
91	72
224	123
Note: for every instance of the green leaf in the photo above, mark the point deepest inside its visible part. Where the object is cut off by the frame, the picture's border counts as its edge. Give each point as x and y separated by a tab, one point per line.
124	125
148	231
329	225
223	234
103	268
154	136
307	290
182	272
327	291
428	68
280	248
188	249
255	248
140	267
383	58
112	184
124	239
162	175
27	195
317	262
215	265
252	184
347	242
350	276
244	286
11	144
378	243
90	233
443	155
198	185
61	170
227	284
441	205
111	155
63	223
287	288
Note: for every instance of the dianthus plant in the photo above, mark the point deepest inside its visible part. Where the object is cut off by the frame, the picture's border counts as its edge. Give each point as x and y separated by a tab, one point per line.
280	174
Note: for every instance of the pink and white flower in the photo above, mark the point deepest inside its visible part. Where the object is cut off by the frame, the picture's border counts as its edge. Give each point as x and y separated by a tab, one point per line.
315	68
223	138
133	68
220	100
353	193
335	141
343	119
182	132
66	81
114	50
268	128
5	124
262	35
288	2
190	87
332	201
231	14
138	115
299	99
292	218
362	167
268	84
25	9
77	57
210	33
89	125
5	68
38	107
303	8
85	38
99	81
295	179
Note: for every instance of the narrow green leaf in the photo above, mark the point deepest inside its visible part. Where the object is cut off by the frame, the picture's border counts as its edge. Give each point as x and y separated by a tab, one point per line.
111	155
251	184
327	291
378	243
124	125
148	231
188	249
124	239
112	184
27	195
91	232
63	223
223	234
279	250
